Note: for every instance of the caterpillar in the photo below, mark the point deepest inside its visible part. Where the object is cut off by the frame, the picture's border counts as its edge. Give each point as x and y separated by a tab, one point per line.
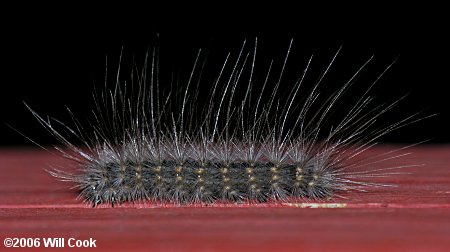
248	141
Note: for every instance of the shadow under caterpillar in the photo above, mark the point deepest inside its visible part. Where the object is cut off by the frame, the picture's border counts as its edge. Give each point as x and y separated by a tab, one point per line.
247	141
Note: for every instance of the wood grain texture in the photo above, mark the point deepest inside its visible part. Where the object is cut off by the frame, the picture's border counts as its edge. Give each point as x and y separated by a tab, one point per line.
414	216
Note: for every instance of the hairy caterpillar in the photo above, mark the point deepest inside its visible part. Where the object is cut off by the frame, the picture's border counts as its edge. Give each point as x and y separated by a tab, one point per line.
247	142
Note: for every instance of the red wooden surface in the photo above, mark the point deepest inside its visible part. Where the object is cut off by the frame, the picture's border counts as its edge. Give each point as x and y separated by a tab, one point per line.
415	216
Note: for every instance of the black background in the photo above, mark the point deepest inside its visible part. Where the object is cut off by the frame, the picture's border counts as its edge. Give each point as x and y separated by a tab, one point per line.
52	58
